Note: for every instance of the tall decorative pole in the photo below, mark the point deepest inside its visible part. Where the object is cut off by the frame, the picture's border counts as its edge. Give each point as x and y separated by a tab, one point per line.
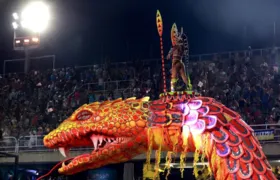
160	30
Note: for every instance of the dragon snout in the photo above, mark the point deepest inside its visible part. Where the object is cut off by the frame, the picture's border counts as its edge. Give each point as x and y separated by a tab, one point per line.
48	142
51	139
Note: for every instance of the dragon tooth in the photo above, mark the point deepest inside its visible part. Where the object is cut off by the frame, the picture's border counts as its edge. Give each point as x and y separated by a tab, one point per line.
62	151
94	140
100	139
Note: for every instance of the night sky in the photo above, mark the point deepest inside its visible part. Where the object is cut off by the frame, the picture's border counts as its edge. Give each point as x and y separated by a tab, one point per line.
88	31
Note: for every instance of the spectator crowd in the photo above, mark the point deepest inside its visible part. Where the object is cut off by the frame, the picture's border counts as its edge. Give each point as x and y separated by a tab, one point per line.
35	103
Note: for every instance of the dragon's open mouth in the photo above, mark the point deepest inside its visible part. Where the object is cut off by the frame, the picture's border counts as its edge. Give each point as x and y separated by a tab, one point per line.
99	142
102	148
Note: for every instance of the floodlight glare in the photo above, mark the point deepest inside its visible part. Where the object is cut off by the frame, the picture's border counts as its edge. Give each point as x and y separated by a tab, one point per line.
23	24
15	15
35	39
15	25
35	17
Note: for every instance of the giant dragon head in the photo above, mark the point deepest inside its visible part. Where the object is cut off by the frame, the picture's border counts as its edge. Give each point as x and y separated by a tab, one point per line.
115	130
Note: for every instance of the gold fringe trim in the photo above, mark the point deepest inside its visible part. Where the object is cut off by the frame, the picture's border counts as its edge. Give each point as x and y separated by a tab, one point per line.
203	153
158	155
175	143
158	158
208	145
182	163
183	156
149	152
195	161
168	161
216	165
202	145
145	171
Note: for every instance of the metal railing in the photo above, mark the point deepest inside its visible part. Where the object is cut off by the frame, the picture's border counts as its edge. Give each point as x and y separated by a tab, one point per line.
34	143
117	87
106	87
31	143
229	54
199	57
9	144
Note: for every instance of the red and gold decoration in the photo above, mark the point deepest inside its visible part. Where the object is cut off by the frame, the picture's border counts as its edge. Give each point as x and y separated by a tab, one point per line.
276	171
176	123
160	31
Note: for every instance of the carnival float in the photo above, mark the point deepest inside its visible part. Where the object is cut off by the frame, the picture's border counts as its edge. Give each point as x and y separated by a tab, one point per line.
179	122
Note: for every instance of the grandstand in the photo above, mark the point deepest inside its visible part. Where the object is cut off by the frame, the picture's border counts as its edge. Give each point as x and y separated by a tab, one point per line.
41	99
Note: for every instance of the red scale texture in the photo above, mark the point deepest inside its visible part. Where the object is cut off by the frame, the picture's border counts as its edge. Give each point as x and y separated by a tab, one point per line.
246	159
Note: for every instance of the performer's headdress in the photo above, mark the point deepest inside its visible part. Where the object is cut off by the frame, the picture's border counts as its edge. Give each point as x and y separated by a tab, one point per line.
174	34
179	37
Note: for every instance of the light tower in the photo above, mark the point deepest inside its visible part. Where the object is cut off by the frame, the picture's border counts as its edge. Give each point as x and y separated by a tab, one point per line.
28	25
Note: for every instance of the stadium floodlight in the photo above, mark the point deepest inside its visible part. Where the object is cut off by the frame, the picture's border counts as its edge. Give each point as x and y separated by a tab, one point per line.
15	25
15	15
35	17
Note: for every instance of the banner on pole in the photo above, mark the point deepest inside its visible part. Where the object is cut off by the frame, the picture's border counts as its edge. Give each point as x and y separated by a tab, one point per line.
159	23
265	134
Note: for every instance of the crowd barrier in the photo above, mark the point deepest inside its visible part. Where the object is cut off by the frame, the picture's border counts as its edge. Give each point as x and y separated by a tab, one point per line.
117	87
266	133
200	57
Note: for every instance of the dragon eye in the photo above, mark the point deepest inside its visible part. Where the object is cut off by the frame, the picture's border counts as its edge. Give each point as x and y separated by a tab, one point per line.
83	115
